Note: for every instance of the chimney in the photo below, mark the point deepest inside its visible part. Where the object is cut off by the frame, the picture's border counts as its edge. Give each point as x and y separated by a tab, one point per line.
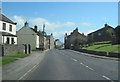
65	34
51	34
26	24
35	28
77	29
106	25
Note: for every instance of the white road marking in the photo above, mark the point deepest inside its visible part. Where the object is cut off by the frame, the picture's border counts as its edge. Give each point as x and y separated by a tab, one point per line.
27	72
106	77
90	68
74	59
82	64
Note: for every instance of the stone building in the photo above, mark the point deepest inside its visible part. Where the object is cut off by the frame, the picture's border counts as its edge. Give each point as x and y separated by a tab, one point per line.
74	40
7	30
107	33
117	30
28	35
49	41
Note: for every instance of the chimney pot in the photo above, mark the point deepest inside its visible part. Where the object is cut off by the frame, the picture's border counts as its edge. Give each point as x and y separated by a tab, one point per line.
26	24
35	28
106	25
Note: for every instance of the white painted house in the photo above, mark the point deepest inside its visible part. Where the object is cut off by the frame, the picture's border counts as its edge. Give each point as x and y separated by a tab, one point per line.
27	35
7	30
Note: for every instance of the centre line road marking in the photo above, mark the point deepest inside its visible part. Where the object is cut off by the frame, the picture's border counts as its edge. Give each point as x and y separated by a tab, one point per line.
74	59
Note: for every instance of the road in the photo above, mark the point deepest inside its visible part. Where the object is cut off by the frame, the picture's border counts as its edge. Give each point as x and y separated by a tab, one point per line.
72	65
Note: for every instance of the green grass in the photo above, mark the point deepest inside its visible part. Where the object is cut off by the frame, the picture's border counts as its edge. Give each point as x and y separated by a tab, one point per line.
105	48
7	60
18	55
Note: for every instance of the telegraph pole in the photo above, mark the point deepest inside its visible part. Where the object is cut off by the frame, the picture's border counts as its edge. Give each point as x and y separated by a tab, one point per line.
43	34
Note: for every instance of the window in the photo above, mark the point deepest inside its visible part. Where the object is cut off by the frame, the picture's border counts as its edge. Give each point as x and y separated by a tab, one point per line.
8	41
99	34
10	28
12	40
4	26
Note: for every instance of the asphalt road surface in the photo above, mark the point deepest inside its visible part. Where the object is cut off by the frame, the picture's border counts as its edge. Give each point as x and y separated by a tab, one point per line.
72	65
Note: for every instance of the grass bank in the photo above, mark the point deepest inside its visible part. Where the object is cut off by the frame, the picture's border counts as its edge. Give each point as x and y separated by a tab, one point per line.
105	48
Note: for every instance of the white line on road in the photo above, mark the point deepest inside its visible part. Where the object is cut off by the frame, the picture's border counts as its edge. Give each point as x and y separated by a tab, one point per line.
74	59
27	72
107	78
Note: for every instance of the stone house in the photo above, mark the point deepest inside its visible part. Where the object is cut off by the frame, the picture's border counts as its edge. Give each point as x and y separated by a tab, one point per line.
7	30
27	35
107	33
117	30
49	41
74	40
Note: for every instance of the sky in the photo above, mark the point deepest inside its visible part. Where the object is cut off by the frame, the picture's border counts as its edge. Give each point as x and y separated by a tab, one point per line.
63	17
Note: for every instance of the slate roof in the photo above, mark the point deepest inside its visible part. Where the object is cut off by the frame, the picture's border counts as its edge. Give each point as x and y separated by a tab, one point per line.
5	19
38	33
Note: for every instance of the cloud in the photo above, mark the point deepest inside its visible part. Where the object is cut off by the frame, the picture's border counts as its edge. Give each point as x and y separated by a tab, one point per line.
19	20
51	26
85	24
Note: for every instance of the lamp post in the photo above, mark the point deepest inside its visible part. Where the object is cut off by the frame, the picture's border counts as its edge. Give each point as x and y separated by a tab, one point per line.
43	34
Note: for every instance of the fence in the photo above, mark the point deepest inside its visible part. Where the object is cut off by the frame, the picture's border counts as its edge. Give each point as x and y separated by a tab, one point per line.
11	49
110	54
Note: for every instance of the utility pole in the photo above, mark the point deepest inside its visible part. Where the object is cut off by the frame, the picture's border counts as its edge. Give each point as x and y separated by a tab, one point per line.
43	34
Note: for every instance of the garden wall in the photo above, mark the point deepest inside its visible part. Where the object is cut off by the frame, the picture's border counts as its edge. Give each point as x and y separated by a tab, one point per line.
12	49
117	55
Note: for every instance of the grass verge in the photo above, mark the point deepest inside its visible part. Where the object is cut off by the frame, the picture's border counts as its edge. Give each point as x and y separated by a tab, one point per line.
7	60
18	55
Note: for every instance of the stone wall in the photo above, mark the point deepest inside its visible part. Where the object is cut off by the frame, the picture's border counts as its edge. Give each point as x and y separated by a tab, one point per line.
0	50
12	49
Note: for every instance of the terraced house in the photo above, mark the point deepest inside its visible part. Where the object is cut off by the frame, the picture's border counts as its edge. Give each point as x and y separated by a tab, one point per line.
107	33
7	30
75	39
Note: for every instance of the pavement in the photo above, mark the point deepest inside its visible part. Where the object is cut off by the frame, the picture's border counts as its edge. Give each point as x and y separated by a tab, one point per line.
19	69
71	65
62	65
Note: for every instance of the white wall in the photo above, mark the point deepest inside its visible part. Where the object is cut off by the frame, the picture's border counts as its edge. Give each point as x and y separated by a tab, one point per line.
4	38
37	41
7	27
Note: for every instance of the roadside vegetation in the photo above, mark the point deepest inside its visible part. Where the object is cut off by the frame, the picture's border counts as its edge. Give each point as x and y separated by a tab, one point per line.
11	58
105	48
58	47
18	55
6	60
